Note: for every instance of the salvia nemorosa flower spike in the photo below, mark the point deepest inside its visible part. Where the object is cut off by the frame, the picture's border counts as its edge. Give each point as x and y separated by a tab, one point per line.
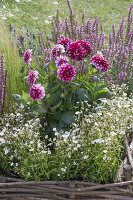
2	82
119	34
88	26
72	20
100	41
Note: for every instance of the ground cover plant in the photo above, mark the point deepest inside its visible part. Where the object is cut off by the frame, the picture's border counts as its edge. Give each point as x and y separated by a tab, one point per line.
90	150
73	102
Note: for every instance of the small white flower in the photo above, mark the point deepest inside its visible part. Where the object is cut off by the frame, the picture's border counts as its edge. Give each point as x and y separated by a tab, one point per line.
78	145
97	141
74	163
85	157
49	152
63	169
77	113
2	141
6	151
105	151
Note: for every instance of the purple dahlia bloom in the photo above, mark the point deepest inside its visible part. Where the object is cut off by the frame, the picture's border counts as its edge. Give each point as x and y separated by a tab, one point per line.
99	62
37	92
86	46
76	51
66	73
57	50
61	60
27	56
32	76
64	41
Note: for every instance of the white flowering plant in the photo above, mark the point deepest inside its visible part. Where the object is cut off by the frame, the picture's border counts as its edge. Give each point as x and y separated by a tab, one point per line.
90	150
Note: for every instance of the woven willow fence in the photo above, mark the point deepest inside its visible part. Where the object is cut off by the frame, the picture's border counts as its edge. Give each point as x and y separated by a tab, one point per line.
122	189
52	190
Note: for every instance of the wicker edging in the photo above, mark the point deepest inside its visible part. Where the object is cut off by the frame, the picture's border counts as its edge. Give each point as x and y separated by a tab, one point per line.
63	190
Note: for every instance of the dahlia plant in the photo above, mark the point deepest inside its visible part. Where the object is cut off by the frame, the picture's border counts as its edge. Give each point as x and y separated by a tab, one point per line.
73	75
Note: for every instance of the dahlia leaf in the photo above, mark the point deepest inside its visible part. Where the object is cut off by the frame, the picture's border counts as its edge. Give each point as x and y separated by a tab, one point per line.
68	117
83	94
56	106
25	96
17	97
39	109
52	66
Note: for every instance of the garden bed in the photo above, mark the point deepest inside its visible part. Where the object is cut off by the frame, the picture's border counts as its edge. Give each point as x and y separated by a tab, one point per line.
66	111
14	188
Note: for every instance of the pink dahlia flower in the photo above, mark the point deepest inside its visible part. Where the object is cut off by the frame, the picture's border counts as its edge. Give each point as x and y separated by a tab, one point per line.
32	76
86	46
66	73
99	62
61	60
27	56
57	50
76	51
64	41
37	92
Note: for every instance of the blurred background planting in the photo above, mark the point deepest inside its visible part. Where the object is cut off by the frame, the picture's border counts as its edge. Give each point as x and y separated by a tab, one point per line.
37	15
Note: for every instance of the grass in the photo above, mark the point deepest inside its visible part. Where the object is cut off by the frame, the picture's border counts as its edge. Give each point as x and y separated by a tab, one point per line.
36	15
12	64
